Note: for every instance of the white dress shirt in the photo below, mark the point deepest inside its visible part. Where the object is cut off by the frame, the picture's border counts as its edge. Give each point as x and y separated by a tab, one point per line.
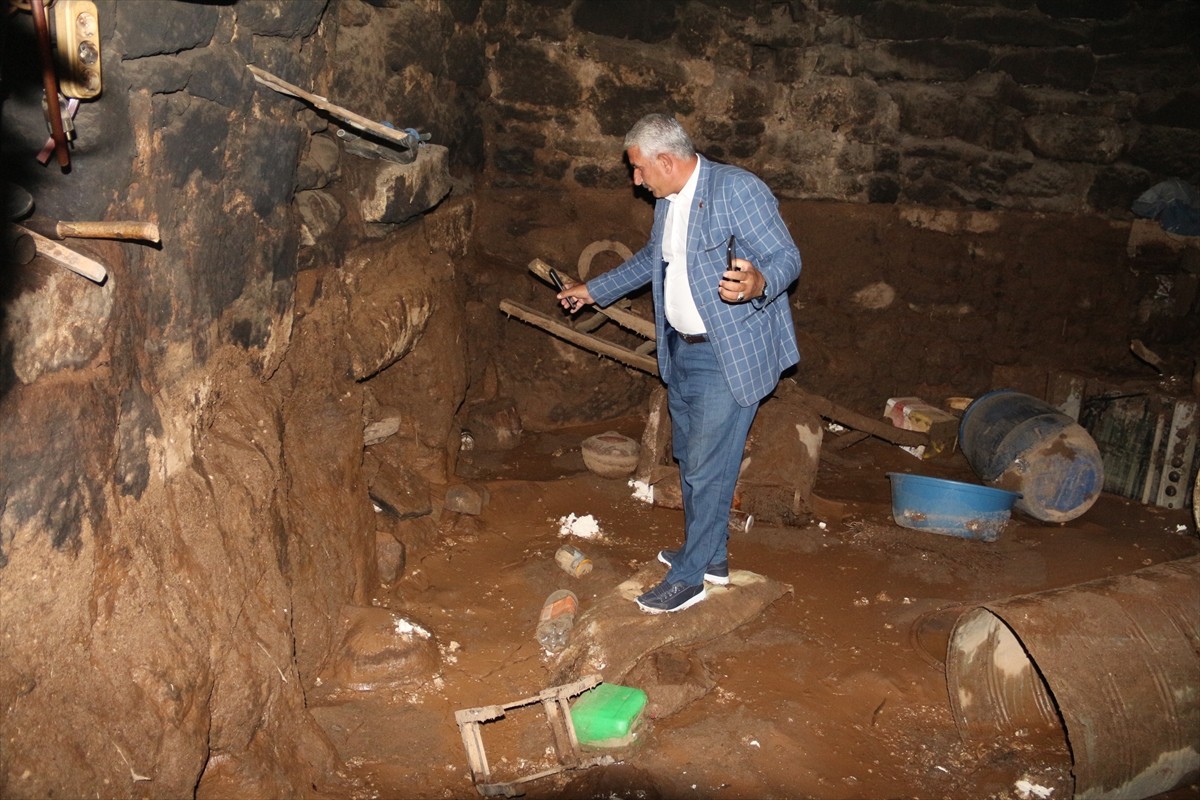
679	307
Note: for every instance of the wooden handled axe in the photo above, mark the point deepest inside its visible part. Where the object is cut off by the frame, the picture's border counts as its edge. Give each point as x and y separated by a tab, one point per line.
63	256
121	229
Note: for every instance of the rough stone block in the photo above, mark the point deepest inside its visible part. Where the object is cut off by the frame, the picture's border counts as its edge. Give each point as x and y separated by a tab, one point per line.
1086	9
390	303
377	431
932	60
286	18
527	74
396	488
1069	68
379	649
391	192
55	322
449	228
1094	139
495	424
900	20
1023	30
320	213
636	21
1167	151
150	29
466	499
389	557
319	165
1115	188
1176	110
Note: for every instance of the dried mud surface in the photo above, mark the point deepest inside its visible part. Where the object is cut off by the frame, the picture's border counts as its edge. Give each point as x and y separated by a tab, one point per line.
837	690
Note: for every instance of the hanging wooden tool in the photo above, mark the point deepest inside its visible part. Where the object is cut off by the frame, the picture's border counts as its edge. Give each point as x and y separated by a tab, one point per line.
50	82
65	257
118	229
398	137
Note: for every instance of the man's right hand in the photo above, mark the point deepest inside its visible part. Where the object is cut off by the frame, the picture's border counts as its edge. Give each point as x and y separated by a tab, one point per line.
575	297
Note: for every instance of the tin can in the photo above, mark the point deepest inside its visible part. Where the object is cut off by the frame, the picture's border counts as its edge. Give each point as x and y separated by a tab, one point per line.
740	521
573	561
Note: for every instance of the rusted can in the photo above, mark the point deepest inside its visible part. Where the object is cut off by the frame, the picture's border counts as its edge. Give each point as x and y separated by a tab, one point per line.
573	561
740	521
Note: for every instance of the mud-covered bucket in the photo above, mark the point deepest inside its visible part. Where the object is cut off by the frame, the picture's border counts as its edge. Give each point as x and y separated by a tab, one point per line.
1110	663
1017	442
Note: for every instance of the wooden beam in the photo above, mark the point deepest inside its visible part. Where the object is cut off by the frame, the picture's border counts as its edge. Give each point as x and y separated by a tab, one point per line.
586	341
625	319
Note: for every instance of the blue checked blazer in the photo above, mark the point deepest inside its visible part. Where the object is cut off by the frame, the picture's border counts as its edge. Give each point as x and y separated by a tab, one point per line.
755	341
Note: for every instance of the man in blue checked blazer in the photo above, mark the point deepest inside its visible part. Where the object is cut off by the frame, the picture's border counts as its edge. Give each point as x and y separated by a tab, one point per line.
724	329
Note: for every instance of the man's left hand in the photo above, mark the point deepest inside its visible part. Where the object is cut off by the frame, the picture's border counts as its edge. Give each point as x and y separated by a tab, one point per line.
741	283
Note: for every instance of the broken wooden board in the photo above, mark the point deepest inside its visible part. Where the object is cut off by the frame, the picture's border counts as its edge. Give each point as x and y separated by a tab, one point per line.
358	121
626	319
789	391
614	634
587	341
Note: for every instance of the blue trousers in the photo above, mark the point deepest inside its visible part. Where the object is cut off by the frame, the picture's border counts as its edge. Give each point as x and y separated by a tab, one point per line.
708	439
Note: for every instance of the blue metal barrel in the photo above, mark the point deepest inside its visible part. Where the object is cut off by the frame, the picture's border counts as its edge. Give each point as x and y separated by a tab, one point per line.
1017	442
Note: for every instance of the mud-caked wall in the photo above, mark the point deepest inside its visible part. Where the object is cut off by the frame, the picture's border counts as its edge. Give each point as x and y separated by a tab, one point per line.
185	518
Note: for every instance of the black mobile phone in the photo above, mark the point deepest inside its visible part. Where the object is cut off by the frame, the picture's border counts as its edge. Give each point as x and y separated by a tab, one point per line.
731	252
558	282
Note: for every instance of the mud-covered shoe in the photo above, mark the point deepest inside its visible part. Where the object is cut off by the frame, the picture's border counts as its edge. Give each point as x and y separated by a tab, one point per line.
668	597
717	573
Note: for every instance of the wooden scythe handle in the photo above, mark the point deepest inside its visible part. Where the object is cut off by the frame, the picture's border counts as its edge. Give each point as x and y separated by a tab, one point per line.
132	229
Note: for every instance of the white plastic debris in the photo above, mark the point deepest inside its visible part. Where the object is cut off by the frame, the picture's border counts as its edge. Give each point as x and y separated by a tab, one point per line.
1027	790
642	491
822	525
406	628
584	527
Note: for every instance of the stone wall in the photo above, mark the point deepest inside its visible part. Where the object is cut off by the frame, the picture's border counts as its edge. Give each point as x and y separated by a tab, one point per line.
1051	105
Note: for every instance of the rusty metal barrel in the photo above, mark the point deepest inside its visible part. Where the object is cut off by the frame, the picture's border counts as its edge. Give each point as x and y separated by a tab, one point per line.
1017	442
1112	663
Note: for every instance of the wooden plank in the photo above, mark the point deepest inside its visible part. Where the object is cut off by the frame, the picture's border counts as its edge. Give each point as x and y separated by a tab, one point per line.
625	319
587	342
317	101
790	391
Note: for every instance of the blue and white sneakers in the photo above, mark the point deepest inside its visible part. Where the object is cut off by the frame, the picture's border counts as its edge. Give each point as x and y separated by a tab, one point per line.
717	573
668	597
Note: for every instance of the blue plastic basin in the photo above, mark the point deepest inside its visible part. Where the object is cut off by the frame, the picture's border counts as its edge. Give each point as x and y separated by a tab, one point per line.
954	508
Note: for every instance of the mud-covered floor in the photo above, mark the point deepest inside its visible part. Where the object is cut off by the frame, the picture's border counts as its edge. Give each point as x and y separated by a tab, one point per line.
836	691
